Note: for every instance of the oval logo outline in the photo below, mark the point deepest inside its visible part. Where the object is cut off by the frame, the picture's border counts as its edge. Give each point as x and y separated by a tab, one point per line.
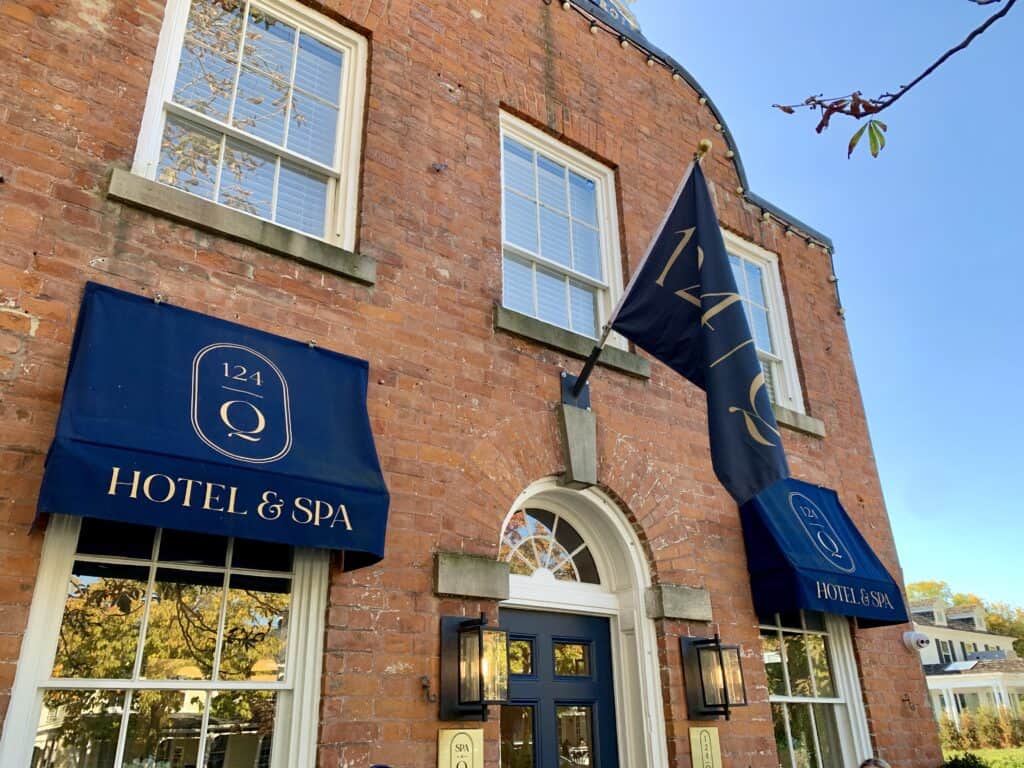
285	404
827	554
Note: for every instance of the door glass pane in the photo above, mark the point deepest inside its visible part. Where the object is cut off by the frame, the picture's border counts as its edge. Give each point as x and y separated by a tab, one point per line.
781	740
575	732
76	723
162	724
572	659
772	656
802	730
182	633
520	657
99	632
517	737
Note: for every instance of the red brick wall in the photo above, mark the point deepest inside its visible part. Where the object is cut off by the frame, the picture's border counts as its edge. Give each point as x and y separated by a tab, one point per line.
464	417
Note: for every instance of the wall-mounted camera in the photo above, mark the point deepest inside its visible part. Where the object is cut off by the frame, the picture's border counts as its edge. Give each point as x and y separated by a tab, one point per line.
916	641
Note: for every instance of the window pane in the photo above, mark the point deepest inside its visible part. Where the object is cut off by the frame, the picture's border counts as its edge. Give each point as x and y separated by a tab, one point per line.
260	105
517	737
584	198
76	723
301	201
575	736
261	555
586	568
188	157
99	632
772	655
814	620
802	730
519	168
554	237
318	69
517	286
239	722
781	740
247	180
204	82
818	653
755	283
269	44
762	336
189	547
572	659
551	183
105	537
828	735
586	251
314	128
216	24
162	721
255	629
737	275
520	657
520	222
183	616
796	664
584	309
552	304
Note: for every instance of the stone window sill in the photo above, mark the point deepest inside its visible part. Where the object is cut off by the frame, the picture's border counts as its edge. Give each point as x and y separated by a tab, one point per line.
175	204
799	422
571	343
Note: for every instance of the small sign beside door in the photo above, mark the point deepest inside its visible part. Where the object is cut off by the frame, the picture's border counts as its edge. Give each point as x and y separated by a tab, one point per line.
704	748
460	748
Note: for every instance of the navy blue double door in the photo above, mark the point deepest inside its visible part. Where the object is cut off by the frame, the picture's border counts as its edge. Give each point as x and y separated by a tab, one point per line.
561	711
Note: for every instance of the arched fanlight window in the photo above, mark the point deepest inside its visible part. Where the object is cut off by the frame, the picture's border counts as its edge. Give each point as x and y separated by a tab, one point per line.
537	540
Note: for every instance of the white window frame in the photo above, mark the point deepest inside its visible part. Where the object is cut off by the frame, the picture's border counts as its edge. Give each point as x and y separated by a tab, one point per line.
343	186
851	717
295	733
607	216
788	393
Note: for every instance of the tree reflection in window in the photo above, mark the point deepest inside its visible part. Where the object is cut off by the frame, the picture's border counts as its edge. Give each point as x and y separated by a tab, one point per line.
536	541
210	621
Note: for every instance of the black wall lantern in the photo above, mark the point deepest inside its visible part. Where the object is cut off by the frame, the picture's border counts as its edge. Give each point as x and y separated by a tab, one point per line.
474	667
714	677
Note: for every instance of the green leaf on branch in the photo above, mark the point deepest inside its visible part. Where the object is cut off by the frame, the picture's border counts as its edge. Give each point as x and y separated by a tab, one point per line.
876	137
854	140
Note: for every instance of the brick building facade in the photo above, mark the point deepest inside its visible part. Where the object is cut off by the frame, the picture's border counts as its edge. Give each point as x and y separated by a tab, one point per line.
407	273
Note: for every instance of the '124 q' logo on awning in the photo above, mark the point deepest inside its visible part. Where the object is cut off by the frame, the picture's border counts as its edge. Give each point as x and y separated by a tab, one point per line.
823	535
240	404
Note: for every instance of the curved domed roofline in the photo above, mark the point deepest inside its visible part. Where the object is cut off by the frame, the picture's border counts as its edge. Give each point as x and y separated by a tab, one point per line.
618	20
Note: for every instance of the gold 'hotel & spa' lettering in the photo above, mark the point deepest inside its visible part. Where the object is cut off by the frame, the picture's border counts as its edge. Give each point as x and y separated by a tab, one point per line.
190	493
842	593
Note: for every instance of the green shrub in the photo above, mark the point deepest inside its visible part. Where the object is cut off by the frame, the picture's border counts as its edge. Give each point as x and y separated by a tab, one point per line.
994	758
966	760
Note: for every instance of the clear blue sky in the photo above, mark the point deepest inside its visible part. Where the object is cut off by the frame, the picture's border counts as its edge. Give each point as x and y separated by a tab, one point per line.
929	241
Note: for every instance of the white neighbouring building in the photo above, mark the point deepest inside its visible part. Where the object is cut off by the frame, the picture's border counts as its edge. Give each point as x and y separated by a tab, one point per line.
967	667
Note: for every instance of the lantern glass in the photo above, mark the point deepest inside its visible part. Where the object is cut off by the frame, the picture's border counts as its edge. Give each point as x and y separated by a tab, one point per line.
469	666
494	665
734	677
711	678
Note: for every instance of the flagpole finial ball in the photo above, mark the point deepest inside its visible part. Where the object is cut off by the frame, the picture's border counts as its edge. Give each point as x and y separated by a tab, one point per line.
704	146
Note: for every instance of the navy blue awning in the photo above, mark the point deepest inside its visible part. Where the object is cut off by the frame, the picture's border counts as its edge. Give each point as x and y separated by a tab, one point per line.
175	419
803	551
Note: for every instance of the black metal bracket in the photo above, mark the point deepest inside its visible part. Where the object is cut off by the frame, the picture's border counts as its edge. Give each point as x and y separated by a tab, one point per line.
568	398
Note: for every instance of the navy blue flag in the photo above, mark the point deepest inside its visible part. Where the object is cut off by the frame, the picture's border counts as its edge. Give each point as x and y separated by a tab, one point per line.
682	306
179	420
